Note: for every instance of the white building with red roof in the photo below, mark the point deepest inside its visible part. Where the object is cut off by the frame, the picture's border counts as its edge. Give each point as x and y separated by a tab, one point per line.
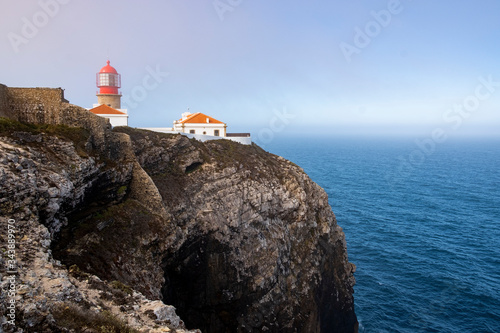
200	123
201	127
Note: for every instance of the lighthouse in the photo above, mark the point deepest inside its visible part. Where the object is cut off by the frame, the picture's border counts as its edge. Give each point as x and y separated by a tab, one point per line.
109	81
109	98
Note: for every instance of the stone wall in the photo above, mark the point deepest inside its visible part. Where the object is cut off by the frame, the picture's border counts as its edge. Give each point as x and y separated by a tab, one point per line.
48	106
4	110
35	105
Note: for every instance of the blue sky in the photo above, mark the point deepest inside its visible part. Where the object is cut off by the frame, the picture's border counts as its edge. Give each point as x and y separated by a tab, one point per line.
269	66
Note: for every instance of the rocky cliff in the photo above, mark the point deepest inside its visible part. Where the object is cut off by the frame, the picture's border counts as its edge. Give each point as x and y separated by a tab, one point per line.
113	225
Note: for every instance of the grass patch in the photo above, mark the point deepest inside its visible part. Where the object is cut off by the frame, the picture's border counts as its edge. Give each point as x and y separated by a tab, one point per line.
7	126
76	272
122	190
121	286
79	136
75	134
136	132
74	317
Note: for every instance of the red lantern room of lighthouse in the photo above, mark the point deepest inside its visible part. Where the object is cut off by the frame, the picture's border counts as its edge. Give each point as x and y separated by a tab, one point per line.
108	82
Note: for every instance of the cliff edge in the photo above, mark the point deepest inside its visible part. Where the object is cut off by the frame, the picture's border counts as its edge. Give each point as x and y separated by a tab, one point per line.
113	225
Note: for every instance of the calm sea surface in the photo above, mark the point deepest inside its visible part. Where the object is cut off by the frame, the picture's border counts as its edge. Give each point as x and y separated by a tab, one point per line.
422	226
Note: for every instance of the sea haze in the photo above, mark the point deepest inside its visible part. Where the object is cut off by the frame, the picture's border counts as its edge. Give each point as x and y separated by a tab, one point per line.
422	228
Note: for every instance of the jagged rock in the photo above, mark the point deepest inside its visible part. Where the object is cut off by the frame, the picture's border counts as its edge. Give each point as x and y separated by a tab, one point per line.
164	313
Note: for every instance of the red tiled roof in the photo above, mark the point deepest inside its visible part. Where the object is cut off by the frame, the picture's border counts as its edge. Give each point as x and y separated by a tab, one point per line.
199	118
104	109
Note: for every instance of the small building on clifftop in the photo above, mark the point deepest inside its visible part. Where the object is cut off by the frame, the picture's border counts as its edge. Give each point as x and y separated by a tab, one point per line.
201	127
200	123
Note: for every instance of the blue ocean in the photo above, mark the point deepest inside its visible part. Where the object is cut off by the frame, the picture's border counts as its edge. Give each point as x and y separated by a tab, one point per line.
422	223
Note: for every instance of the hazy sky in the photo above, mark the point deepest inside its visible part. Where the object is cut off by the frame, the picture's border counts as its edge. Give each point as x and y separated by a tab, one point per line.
260	65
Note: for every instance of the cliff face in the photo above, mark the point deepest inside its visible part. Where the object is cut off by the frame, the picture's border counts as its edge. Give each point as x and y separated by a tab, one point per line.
237	239
257	244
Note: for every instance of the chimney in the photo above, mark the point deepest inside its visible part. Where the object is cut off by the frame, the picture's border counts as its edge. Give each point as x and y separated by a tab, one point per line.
208	120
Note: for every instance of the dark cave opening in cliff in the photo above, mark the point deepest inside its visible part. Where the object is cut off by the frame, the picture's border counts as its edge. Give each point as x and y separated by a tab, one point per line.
193	167
197	280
